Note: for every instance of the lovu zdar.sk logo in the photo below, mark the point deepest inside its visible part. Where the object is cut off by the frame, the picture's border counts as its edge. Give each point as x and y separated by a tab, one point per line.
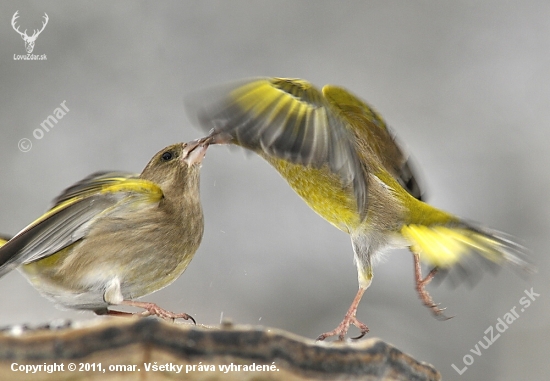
29	40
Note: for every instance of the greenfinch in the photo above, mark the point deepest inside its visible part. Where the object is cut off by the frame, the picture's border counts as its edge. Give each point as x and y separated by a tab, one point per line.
337	153
116	236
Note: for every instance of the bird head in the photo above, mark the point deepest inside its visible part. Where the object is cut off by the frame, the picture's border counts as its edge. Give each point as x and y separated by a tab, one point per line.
176	166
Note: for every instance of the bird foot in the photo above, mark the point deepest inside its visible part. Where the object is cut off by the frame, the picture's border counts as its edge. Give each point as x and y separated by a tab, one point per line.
343	328
349	318
153	309
421	284
150	309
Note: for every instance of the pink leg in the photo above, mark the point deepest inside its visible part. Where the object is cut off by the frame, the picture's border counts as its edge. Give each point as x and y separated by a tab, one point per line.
349	318
150	309
421	288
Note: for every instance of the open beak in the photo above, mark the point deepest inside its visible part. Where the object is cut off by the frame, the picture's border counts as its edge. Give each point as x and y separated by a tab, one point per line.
194	151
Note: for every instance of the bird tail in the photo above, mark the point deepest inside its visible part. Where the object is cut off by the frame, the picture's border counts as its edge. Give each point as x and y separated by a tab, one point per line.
455	243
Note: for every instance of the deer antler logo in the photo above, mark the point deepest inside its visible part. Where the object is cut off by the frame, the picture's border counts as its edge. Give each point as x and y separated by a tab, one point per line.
29	40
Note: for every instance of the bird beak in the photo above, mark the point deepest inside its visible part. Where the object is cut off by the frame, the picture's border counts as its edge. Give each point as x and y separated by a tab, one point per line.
194	151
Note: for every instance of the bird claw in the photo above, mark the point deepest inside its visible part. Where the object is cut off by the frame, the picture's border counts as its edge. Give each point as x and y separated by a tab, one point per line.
155	310
343	328
421	284
363	333
438	312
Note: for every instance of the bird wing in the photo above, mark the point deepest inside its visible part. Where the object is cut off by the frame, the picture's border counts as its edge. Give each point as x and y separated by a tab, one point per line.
74	212
94	182
379	139
288	119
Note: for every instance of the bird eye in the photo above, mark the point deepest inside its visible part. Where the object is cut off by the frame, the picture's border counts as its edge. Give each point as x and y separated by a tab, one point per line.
167	156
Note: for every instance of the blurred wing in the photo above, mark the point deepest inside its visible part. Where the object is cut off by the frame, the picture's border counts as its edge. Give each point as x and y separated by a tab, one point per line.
74	212
288	119
380	140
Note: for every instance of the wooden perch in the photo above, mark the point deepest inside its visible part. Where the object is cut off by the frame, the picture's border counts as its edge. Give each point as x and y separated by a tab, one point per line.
148	349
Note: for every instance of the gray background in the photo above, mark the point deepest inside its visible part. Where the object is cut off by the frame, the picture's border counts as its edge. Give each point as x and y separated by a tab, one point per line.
466	85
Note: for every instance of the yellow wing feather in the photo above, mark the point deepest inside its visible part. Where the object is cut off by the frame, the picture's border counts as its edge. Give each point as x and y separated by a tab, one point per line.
115	185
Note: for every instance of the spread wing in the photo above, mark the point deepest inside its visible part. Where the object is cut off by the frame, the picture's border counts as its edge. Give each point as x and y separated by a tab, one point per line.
74	211
288	119
378	138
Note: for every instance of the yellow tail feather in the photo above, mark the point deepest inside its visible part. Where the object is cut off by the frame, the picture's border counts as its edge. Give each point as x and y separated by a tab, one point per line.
444	246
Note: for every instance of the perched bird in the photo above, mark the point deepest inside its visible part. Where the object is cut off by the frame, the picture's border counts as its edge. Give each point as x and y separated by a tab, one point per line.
338	154
115	236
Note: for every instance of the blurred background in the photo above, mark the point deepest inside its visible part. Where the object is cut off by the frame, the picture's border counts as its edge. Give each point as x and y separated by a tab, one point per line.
465	85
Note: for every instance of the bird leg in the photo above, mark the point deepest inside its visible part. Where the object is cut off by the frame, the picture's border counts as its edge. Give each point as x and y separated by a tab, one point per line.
349	318
421	284
150	309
